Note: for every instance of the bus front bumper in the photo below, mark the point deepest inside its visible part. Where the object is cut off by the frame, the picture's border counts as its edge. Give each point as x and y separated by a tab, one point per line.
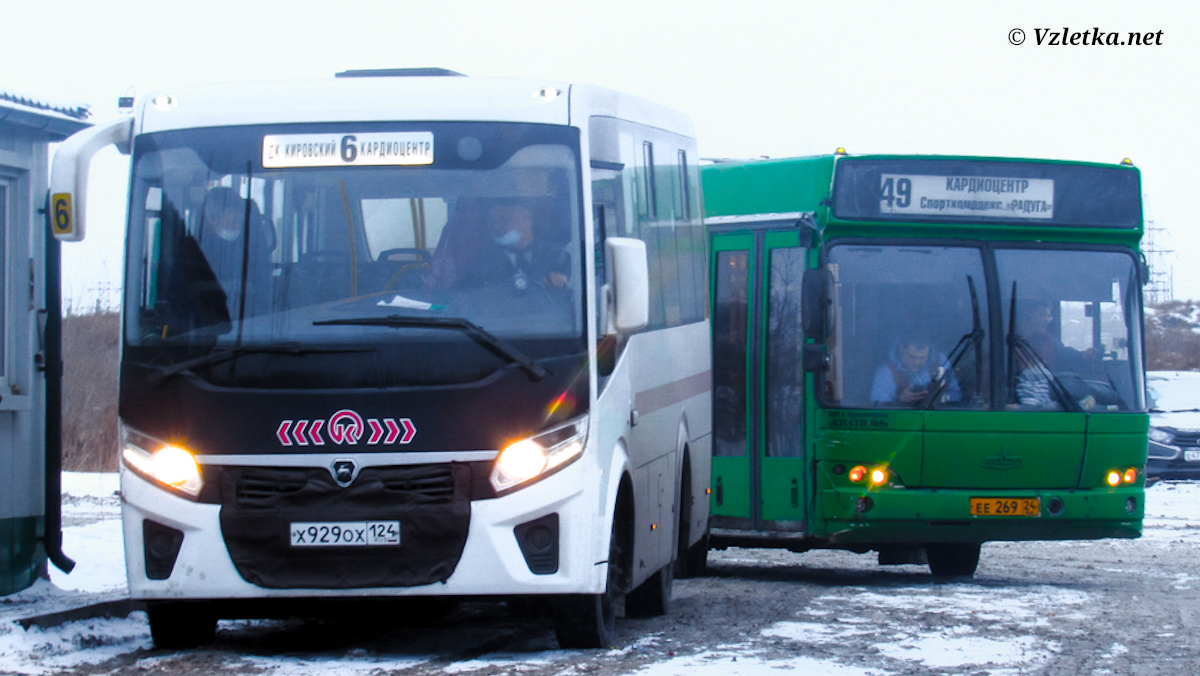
907	515
492	562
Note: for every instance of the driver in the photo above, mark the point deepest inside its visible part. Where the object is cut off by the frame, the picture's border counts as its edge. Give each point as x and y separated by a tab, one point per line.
518	256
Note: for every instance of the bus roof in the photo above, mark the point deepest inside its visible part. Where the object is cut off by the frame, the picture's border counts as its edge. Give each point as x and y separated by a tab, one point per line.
391	98
807	184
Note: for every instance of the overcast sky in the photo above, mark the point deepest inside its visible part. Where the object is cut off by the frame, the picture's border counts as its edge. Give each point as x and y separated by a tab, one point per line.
778	78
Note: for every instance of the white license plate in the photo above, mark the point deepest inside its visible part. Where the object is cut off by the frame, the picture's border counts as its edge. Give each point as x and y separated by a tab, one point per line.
1191	456
345	533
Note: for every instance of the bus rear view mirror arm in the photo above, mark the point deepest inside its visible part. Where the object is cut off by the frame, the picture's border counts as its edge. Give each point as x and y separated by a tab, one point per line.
69	174
815	303
629	310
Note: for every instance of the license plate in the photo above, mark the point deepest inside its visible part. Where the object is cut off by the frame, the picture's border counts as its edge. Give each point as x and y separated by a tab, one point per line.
1191	456
345	533
1006	507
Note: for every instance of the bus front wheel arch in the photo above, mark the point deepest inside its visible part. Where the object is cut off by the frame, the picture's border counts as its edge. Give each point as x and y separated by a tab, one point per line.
690	560
589	620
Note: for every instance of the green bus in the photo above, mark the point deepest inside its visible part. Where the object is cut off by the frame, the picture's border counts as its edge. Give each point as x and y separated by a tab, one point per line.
914	355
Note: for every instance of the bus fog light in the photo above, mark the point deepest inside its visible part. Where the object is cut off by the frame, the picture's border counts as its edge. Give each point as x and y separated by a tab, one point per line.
1131	505
1054	507
527	459
864	505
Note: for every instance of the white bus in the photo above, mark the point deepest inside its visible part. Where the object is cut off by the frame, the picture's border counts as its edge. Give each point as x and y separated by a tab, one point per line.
407	333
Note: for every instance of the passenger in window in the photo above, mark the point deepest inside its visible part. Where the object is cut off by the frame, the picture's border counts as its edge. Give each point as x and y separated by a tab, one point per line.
914	368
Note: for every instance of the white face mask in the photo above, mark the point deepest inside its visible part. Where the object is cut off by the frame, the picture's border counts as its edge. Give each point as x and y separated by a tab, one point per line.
508	239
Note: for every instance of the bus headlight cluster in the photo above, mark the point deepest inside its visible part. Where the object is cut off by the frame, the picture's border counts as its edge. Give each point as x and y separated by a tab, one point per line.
1116	477
538	456
875	476
169	465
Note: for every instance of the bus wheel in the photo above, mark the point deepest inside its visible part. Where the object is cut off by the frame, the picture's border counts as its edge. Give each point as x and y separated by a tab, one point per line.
689	561
947	560
696	560
181	625
652	598
589	620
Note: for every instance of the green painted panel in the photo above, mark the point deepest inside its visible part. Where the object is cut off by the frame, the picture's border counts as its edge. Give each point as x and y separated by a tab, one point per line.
766	187
859	419
899	451
1119	423
783	493
1106	452
1002	460
731	487
1005	421
22	558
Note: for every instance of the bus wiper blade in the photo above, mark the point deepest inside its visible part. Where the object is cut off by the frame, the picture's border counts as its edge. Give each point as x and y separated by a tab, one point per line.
976	337
1031	357
477	333
220	356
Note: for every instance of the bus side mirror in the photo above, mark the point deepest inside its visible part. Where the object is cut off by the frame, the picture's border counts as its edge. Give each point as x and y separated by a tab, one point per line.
815	303
69	174
629	303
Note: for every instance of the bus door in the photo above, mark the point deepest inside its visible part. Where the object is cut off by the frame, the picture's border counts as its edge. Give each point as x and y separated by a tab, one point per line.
759	476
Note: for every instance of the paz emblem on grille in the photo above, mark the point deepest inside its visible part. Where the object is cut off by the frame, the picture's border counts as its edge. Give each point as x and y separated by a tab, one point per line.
343	472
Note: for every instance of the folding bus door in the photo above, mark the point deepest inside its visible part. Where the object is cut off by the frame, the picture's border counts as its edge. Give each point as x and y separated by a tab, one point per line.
759	472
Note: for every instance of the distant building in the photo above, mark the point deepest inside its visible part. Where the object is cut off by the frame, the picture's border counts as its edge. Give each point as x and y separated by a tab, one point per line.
27	127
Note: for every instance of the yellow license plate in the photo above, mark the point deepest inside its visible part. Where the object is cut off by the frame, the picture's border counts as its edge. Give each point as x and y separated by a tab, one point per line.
1031	507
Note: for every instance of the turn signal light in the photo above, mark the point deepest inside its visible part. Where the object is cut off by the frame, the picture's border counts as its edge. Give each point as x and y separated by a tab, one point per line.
1116	477
857	474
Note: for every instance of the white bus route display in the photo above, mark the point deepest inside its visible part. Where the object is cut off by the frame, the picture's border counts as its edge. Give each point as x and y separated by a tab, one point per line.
336	150
976	196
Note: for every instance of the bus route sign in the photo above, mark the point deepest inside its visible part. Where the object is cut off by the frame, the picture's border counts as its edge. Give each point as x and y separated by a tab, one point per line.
987	196
338	150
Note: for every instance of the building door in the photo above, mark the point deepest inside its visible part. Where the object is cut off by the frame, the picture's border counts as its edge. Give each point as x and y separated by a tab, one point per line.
759	467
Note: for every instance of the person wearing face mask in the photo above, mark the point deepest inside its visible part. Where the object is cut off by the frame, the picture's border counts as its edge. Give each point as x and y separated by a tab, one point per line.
520	258
235	243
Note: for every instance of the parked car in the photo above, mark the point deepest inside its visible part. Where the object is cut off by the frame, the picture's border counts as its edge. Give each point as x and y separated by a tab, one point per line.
1174	400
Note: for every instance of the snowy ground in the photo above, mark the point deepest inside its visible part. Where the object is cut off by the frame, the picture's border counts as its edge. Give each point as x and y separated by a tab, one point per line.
1108	607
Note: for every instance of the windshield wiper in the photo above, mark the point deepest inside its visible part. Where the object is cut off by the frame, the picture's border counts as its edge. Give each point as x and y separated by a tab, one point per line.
476	332
220	356
1018	345
960	350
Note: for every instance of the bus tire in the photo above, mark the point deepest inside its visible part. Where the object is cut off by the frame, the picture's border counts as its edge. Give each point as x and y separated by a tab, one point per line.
696	560
652	598
181	625
953	559
589	620
689	561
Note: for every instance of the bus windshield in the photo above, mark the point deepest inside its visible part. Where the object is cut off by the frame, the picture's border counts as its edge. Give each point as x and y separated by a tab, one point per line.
914	329
245	240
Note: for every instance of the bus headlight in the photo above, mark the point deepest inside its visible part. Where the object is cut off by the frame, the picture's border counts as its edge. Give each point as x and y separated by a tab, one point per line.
166	464
526	460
